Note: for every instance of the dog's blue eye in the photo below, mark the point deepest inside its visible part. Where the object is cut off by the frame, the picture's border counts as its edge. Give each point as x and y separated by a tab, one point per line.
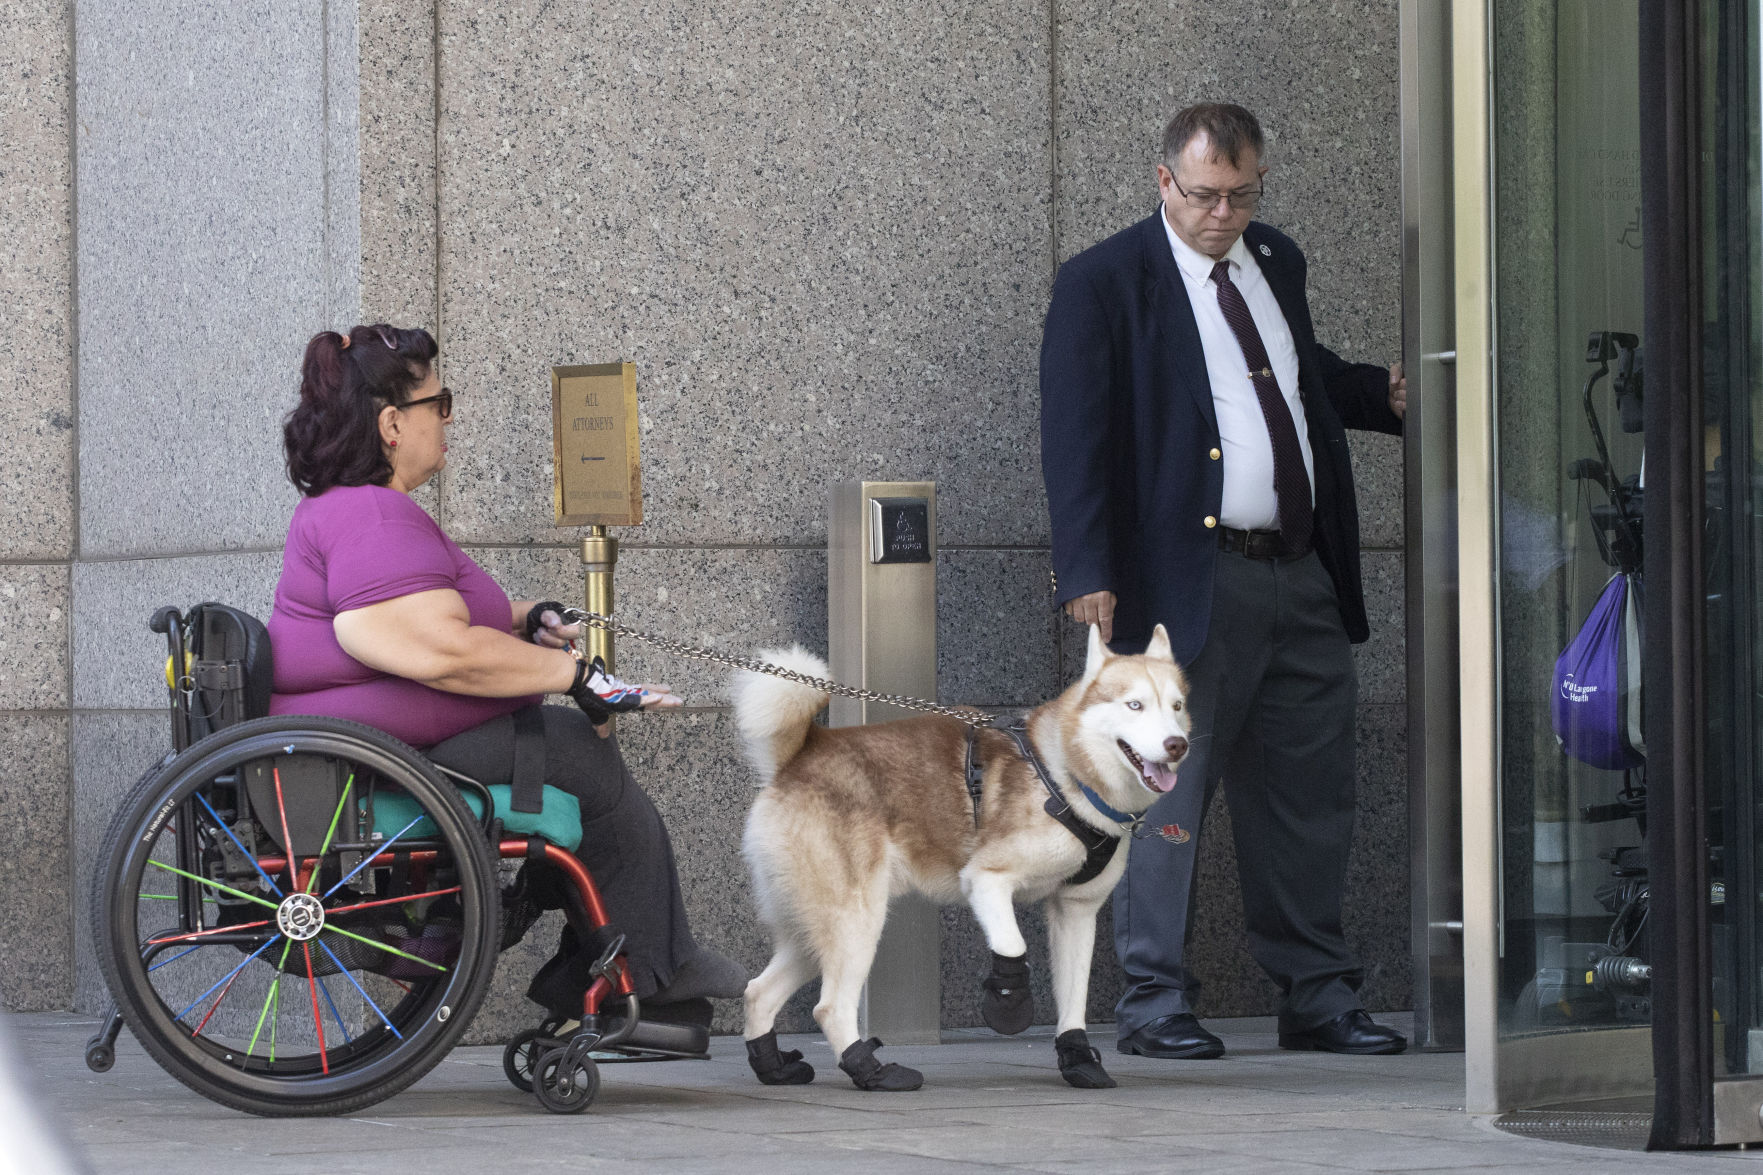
1135	705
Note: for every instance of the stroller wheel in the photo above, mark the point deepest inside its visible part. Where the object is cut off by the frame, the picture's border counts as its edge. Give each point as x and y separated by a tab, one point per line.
565	1088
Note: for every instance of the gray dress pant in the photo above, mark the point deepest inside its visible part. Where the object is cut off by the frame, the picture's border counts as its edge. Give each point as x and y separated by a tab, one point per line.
1272	697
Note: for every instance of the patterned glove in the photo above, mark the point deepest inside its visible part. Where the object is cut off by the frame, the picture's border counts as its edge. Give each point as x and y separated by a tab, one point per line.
601	695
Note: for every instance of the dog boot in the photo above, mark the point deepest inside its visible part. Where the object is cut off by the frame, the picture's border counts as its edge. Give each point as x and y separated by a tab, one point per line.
1080	1064
1005	1003
867	1073
775	1068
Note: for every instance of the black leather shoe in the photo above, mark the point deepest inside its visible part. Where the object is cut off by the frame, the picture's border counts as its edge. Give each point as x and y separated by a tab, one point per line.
1350	1032
1173	1038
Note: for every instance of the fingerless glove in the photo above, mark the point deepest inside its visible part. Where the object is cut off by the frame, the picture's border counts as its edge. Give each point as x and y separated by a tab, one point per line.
601	695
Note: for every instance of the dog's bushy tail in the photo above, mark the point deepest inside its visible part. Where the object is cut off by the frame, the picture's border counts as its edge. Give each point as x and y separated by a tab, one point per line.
772	714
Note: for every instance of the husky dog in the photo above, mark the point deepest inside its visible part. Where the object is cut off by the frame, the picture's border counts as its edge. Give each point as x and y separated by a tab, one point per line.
849	817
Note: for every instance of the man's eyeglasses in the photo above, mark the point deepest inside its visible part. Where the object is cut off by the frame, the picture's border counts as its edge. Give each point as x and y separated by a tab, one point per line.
1203	200
442	402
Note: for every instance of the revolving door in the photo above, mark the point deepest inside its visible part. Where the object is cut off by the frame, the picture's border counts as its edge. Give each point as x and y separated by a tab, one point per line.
1582	198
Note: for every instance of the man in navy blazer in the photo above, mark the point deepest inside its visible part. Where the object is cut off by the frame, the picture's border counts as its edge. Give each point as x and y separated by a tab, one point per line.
1195	455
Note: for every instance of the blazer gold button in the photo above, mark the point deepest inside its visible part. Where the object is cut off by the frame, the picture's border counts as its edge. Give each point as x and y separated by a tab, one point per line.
1215	454
1211	522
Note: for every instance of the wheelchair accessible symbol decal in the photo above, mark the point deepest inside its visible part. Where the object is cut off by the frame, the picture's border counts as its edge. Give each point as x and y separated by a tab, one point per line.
300	916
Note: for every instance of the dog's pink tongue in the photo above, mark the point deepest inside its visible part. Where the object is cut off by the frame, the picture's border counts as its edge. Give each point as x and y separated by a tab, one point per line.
1160	776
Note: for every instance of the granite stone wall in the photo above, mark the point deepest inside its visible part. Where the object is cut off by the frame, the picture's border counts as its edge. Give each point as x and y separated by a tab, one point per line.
826	237
216	229
37	522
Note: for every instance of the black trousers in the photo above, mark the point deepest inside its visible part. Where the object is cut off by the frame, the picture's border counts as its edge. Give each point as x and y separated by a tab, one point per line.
1272	697
624	844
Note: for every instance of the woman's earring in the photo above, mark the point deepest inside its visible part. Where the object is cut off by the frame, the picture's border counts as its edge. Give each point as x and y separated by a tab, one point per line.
394	444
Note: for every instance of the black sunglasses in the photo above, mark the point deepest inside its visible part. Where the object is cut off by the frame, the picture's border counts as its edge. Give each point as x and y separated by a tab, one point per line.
444	402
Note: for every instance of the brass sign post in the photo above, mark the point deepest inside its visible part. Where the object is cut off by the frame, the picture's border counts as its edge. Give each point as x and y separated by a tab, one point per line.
597	473
599	557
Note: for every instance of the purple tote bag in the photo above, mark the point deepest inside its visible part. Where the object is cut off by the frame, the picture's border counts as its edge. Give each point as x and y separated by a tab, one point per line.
1596	703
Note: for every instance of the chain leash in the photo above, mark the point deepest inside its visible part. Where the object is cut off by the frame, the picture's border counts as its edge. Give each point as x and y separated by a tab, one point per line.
750	665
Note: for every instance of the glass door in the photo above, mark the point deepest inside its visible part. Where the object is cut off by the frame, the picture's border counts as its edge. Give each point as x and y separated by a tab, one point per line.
1607	284
1549	285
1574	1005
1728	78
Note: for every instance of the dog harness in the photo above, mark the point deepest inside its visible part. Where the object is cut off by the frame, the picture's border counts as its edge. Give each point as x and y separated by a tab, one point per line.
1099	846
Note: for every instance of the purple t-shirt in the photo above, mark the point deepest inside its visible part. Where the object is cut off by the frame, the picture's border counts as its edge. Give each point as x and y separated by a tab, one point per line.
349	547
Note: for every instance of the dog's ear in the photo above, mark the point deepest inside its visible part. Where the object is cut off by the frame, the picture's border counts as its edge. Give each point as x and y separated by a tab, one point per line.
1159	646
1096	657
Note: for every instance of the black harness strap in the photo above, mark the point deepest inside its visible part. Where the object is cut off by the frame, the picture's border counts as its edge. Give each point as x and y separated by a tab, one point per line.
975	772
527	785
1098	845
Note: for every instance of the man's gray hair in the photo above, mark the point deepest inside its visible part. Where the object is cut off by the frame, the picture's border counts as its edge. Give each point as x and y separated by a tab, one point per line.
1229	129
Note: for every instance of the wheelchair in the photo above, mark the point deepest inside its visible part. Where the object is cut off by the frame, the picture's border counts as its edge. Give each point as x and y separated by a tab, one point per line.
301	915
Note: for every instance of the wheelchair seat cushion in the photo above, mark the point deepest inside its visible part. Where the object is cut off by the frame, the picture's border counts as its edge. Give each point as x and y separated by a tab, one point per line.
558	821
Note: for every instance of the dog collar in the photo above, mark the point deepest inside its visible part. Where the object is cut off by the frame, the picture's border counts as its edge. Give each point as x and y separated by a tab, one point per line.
1102	806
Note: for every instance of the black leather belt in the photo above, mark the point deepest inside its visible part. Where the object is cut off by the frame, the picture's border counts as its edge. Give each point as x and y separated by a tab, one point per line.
1257	544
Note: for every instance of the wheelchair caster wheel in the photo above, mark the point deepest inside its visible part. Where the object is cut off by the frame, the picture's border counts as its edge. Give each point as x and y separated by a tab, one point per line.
100	1057
565	1089
521	1057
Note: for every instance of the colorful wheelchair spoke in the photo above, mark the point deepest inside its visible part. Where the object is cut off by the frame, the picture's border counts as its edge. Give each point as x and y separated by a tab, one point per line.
215	927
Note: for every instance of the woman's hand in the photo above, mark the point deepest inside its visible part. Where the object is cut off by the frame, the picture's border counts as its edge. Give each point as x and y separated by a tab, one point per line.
660	697
601	695
542	624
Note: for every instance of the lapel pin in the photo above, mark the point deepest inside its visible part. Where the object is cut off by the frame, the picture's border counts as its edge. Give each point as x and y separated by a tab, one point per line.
1265	251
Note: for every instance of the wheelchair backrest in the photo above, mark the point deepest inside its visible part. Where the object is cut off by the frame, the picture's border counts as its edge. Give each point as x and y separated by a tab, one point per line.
231	667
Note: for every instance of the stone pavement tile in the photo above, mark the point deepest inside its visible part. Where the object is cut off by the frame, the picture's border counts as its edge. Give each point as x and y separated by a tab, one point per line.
988	1144
638	1113
1600	1162
630	1140
1199	1162
811	1160
1320	1090
1447	1067
992	1104
201	1159
1453	1147
1175	1119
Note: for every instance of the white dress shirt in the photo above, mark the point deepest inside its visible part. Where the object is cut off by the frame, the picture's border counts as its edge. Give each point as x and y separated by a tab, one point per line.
1249	501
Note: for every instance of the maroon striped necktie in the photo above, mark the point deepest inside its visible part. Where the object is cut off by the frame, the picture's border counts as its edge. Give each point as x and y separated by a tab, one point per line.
1291	484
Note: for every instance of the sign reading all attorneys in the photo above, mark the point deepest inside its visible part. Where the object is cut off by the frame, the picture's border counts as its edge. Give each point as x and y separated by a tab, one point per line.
597	473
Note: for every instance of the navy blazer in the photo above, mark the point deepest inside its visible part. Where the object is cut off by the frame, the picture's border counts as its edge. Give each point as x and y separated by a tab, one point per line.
1128	428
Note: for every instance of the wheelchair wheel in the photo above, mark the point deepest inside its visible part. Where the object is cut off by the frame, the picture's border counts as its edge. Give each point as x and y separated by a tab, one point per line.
521	1055
564	1088
296	915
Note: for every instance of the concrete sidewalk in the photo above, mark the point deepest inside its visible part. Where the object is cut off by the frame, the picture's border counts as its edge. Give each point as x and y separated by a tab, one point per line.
988	1104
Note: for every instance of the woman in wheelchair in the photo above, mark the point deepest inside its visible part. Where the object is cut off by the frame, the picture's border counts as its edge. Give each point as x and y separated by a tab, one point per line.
379	617
296	912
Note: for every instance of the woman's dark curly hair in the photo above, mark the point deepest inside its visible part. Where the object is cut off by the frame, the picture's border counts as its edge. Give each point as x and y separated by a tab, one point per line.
332	436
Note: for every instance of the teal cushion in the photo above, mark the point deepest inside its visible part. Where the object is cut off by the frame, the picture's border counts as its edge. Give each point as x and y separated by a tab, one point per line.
559	819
